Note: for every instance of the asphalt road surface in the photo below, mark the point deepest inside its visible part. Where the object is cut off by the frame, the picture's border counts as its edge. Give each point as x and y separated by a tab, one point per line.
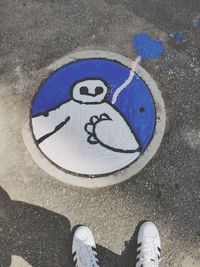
37	212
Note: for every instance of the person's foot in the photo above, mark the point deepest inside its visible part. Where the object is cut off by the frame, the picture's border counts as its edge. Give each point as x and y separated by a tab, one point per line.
148	246
84	248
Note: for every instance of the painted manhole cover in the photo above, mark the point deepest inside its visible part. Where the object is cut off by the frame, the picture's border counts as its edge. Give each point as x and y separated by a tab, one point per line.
91	118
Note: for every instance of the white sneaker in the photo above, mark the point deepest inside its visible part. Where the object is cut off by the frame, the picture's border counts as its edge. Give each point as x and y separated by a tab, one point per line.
148	248
84	248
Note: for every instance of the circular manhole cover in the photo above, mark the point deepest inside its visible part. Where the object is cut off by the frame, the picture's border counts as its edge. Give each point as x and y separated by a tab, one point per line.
86	136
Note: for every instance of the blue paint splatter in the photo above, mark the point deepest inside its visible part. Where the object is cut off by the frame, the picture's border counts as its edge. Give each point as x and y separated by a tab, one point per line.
135	102
146	47
179	37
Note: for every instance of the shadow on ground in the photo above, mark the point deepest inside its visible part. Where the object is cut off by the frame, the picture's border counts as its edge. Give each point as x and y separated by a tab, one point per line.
43	238
39	236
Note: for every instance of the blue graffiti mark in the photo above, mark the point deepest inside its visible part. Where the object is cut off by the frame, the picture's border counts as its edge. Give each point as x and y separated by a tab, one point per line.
179	37
135	102
146	47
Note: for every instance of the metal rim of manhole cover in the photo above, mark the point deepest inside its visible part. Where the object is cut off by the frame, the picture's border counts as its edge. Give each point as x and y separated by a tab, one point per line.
88	126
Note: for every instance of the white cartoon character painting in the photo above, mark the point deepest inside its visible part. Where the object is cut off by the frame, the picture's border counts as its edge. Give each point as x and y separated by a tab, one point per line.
86	133
96	116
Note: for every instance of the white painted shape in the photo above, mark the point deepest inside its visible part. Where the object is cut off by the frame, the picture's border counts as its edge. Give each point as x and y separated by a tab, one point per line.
18	261
21	82
115	133
196	21
43	125
128	81
69	148
91	86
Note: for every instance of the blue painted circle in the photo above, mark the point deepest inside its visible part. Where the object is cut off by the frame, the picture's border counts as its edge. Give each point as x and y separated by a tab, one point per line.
135	102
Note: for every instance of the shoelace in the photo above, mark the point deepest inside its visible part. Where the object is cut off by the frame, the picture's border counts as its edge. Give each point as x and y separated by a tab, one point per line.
150	253
90	261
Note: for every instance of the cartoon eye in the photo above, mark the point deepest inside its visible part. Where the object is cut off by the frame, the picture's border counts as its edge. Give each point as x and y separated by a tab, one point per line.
142	109
99	90
83	90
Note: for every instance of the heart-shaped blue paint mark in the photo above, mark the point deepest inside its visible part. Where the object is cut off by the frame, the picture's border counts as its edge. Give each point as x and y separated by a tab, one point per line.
146	47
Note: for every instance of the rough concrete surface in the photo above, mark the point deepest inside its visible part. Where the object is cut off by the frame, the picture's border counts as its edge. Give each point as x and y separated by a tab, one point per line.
37	212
